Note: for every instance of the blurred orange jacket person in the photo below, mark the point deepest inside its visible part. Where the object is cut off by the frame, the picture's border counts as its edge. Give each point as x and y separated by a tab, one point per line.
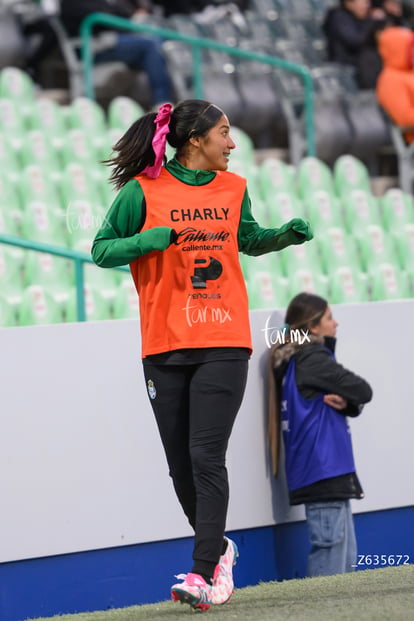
395	85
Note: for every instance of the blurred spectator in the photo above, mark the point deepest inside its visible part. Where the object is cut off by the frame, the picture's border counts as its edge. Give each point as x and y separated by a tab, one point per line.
39	36
171	7
351	37
395	85
408	13
218	11
138	51
41	41
394	11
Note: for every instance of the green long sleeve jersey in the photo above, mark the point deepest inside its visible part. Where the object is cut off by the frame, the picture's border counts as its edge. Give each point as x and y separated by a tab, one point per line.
119	241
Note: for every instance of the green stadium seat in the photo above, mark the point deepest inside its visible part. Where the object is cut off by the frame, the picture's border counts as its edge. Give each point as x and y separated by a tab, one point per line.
36	183
337	249
349	173
397	208
101	299
38	307
8	315
9	194
260	211
347	285
8	222
99	302
79	182
84	185
312	174
123	112
67	303
301	257
274	176
78	147
388	282
99	179
12	261
264	262
360	209
88	115
48	116
12	123
9	161
38	148
107	191
244	145
308	280
267	291
84	113
10	205
65	300
104	150
17	85
323	210
42	221
282	207
126	302
44	304
53	272
404	245
83	219
375	246
97	277
266	285
246	169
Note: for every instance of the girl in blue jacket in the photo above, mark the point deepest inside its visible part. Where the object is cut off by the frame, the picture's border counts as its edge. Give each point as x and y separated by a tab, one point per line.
313	395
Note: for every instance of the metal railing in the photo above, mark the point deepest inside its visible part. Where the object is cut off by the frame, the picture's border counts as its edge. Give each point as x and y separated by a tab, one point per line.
197	44
79	259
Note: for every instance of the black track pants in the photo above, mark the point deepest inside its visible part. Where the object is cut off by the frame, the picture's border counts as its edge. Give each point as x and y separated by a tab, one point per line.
195	407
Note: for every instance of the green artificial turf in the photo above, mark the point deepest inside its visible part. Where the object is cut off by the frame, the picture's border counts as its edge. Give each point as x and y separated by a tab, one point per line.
372	595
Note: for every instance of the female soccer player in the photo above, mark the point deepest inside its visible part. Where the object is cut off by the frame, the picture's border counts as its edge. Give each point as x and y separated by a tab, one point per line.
181	227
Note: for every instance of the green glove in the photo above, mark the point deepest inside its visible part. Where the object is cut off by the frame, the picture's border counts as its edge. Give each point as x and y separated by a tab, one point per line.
158	238
302	228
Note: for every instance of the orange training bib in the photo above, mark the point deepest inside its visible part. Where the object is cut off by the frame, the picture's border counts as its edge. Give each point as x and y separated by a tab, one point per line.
193	294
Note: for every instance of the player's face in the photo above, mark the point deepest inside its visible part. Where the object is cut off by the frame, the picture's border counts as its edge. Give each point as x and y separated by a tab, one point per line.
327	325
215	147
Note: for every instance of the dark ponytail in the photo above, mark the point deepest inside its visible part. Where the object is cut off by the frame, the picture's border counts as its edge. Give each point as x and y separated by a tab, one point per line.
134	151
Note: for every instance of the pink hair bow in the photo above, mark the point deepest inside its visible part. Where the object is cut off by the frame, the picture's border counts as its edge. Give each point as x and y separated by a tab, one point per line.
161	121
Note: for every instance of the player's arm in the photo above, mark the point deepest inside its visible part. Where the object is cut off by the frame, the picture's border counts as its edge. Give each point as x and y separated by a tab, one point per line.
118	241
255	240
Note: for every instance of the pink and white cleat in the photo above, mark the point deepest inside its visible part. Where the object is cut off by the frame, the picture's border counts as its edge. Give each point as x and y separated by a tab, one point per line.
223	585
194	591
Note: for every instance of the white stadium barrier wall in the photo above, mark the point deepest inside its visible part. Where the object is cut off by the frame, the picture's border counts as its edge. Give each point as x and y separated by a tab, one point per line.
83	468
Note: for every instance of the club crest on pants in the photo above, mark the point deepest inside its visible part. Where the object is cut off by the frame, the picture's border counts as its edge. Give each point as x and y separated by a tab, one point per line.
151	389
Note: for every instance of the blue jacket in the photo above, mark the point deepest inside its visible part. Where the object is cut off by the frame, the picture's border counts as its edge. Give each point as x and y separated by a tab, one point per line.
317	438
318	453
